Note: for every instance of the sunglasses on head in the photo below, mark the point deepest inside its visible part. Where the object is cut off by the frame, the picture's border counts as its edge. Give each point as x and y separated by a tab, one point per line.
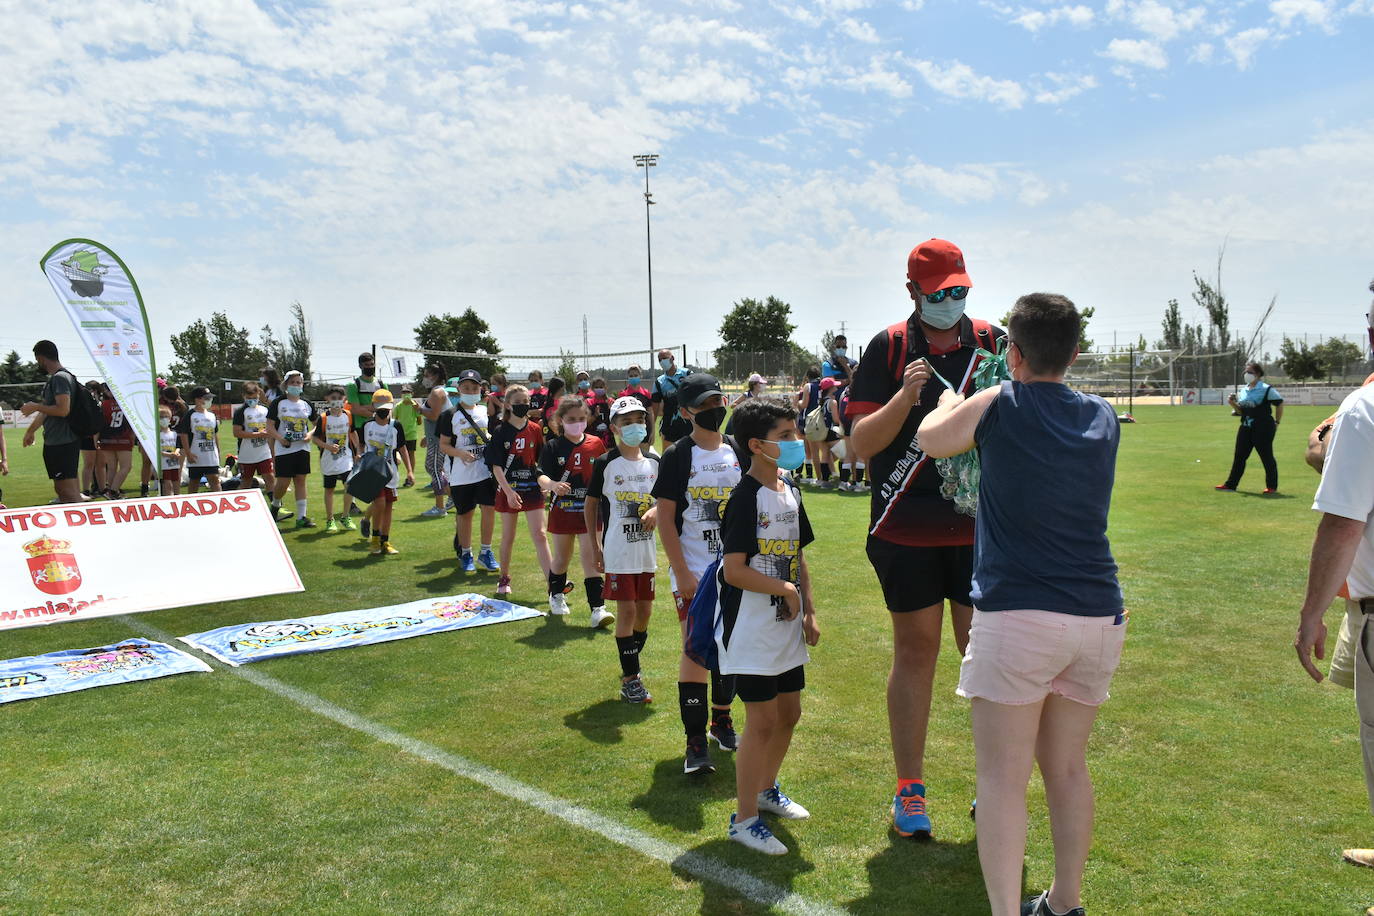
940	295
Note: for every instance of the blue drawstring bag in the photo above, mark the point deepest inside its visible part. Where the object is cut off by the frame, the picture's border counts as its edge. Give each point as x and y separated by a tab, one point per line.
702	616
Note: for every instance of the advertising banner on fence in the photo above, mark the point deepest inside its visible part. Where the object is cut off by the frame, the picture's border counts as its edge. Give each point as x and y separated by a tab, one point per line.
253	642
99	295
75	562
81	669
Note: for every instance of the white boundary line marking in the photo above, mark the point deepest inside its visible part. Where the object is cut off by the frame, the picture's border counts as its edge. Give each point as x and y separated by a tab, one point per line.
747	885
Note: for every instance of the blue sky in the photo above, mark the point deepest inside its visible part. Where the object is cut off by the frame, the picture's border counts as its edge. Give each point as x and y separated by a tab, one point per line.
378	162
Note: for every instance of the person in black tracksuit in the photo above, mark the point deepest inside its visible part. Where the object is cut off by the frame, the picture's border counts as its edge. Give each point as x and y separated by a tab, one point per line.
1261	410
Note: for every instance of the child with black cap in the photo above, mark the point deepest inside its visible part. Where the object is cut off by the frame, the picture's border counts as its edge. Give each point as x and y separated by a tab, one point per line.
199	431
696	476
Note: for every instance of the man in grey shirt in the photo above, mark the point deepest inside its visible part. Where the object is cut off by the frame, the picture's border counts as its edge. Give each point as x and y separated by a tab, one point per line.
61	449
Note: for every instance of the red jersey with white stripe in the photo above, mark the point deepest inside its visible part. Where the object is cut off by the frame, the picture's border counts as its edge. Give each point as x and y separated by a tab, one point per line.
907	507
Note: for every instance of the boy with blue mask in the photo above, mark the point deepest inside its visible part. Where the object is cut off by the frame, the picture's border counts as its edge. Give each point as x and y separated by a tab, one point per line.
839	366
634	388
920	547
290	420
767	616
463	436
620	505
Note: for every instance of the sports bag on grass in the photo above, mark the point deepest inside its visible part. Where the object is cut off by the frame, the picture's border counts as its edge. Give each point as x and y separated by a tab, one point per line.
367	481
702	616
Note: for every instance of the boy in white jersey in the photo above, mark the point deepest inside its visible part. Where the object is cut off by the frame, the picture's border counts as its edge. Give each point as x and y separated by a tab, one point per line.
767	617
696	476
620	502
290	420
386	437
463	433
337	442
199	431
169	457
255	443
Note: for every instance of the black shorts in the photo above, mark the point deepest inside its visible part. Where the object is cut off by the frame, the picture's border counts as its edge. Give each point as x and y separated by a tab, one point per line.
209	470
918	577
88	444
62	460
292	464
468	496
412	445
760	688
332	480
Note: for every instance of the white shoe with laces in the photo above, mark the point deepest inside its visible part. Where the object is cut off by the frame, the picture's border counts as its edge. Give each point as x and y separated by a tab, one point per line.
558	605
772	800
754	833
600	618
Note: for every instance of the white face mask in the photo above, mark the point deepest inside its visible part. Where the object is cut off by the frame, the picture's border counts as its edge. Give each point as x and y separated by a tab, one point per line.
1249	377
943	315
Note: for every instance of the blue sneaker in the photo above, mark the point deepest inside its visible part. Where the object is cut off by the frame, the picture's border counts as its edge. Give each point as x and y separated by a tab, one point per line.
488	561
467	563
909	816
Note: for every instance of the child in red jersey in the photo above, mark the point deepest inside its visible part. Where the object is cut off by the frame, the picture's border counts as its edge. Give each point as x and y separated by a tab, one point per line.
566	471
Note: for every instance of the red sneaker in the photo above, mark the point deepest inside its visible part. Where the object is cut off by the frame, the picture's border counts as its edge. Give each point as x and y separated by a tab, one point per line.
1224	488
1270	491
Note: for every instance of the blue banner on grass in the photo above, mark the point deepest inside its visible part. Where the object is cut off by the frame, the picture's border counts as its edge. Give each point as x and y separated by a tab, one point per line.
80	669
253	642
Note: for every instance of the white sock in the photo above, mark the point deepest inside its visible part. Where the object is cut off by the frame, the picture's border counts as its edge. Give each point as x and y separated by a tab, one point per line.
276	503
300	508
486	547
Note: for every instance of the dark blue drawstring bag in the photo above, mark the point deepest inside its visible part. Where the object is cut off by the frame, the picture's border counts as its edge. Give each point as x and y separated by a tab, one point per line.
702	616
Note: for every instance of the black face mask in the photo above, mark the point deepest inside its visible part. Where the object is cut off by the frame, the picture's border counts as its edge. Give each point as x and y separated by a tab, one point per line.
367	371
520	410
711	419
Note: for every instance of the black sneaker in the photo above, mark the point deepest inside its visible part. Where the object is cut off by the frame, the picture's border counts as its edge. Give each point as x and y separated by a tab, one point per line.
1040	906
365	529
723	733
143	491
698	757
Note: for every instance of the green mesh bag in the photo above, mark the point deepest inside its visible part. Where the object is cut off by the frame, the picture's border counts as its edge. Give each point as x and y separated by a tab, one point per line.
962	472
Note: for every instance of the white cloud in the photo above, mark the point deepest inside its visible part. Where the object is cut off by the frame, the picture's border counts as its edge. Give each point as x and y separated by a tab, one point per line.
1314	12
1201	53
1164	23
1064	87
1243	45
960	81
1137	52
680	30
859	30
1035	20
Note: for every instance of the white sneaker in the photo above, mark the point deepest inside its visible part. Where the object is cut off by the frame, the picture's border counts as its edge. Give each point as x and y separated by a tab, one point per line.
600	617
558	604
845	486
773	800
755	834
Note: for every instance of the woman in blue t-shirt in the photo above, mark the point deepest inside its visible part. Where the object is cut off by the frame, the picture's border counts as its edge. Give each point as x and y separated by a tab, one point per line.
1261	410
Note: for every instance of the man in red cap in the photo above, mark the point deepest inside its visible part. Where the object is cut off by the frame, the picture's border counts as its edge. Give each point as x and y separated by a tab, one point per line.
920	547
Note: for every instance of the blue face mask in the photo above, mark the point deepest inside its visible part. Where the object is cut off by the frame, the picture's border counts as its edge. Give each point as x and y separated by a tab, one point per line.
584	383
633	433
250	402
469	400
632	381
791	453
294	390
840	351
943	315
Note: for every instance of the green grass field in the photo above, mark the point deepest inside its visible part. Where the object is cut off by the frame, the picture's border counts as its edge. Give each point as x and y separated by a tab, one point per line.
1227	781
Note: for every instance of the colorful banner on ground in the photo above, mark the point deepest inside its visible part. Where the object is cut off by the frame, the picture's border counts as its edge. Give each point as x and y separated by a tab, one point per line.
81	669
253	642
75	562
101	298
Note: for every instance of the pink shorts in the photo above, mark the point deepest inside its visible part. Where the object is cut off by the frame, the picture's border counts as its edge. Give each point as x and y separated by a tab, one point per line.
1020	657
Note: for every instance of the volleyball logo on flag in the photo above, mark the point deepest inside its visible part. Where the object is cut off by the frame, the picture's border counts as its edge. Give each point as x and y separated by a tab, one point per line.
52	566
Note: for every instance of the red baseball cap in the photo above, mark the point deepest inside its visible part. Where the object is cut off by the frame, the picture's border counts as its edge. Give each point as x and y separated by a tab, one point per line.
936	264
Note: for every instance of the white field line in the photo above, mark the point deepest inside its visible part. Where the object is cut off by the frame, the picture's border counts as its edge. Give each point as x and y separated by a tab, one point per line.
746	885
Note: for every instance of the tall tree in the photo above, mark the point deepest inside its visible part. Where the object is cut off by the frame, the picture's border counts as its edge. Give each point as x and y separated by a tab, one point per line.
465	333
209	351
1172	327
295	351
1085	343
1299	362
1337	356
752	326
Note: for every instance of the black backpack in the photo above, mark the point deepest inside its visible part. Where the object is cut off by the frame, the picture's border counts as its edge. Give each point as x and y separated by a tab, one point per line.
85	417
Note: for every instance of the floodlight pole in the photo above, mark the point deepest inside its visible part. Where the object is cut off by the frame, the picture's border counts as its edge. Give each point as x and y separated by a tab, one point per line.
647	161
